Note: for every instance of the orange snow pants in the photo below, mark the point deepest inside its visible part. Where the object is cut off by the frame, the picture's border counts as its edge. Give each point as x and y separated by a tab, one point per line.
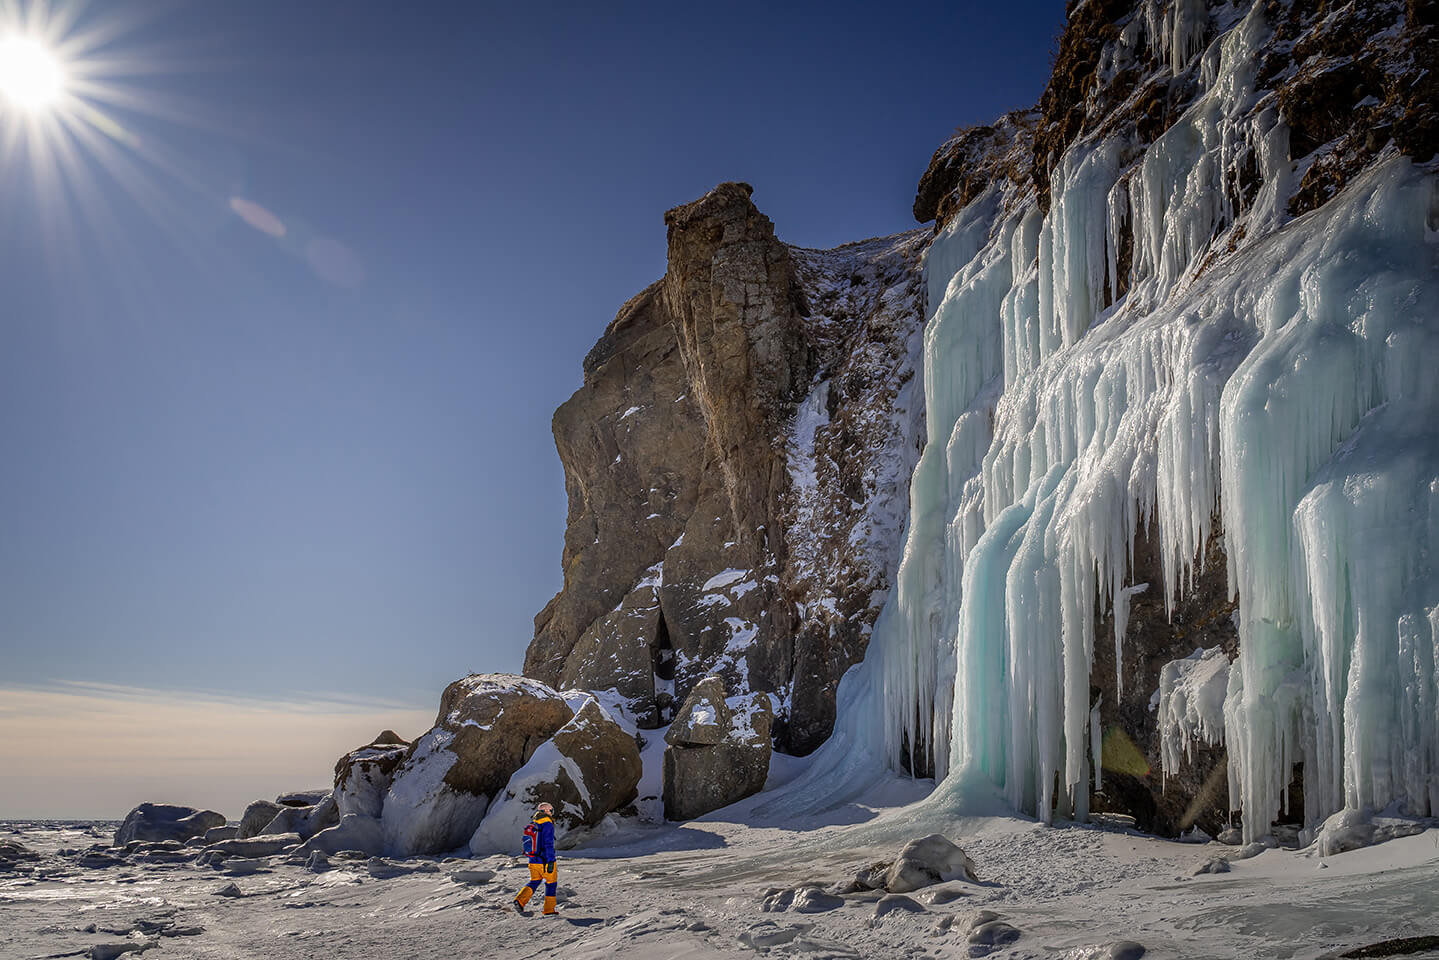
545	873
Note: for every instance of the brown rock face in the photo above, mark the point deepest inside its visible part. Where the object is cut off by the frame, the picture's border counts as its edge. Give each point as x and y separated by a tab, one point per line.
497	722
709	531
608	760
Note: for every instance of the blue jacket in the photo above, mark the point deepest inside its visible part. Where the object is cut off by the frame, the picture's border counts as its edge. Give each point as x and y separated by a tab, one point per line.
546	851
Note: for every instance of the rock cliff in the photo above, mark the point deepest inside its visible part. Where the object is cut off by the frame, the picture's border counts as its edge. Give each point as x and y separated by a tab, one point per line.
735	463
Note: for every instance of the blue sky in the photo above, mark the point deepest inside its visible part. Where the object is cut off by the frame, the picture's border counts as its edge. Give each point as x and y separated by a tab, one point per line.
320	463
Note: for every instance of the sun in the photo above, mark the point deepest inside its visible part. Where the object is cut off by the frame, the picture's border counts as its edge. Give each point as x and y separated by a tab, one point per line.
31	75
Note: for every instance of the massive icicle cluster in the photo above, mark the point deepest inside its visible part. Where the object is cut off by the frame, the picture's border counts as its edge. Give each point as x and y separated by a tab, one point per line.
1279	372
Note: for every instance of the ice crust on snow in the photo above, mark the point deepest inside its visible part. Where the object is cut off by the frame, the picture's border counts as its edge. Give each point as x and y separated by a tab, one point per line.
1289	386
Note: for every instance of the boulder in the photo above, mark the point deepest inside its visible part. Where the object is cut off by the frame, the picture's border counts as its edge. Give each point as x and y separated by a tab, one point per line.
244	866
15	851
353	832
306	821
926	861
472	877
301	798
815	900
489	725
700	777
265	846
257	817
165	821
705	719
897	901
363	775
590	768
216	834
1212	865
995	933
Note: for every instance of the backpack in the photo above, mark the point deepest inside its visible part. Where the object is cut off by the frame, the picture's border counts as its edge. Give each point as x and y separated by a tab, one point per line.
532	840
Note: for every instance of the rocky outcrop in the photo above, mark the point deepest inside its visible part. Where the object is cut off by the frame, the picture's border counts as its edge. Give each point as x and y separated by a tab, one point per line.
164	821
590	768
363	775
488	727
735	463
719	750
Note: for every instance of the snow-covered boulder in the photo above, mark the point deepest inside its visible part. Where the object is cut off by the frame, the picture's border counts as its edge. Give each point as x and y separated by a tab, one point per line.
489	725
701	776
257	816
353	832
926	861
306	821
302	798
266	846
363	775
166	821
216	834
1352	829
588	769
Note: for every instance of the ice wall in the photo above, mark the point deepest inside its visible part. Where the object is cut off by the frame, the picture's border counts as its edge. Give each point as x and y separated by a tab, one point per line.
1280	371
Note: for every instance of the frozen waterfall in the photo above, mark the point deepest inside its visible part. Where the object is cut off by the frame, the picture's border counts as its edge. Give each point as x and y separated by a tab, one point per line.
1291	387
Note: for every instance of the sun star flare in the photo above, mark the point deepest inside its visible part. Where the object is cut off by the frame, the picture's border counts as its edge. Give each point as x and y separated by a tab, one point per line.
32	77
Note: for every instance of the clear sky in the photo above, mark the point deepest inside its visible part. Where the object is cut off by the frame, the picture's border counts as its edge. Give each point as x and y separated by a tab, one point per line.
283	331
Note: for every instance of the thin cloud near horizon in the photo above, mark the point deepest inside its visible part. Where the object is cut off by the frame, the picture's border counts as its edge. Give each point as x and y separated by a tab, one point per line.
81	750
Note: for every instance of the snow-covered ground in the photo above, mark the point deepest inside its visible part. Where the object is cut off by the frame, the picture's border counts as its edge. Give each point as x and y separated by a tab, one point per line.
700	889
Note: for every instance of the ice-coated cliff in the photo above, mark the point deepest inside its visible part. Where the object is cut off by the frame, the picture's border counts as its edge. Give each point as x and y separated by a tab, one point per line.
1168	547
1210	327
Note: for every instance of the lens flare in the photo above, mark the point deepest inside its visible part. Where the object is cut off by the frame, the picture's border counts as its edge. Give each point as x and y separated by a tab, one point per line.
31	75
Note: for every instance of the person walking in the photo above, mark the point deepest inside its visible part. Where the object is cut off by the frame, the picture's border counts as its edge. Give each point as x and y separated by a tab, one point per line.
539	845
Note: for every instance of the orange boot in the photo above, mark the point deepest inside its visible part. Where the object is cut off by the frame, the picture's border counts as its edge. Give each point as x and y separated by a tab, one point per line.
550	907
523	898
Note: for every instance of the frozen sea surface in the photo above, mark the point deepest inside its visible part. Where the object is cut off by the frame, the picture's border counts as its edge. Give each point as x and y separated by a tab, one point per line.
717	888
